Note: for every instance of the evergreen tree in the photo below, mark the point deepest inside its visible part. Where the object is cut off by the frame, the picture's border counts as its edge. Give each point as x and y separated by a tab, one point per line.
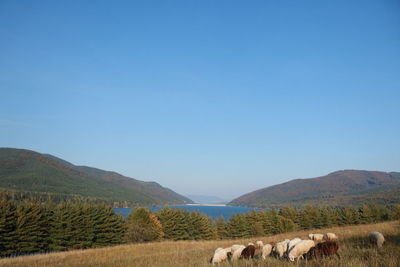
366	214
8	236
61	228
380	213
31	229
274	222
220	228
109	228
254	220
238	226
200	226
349	215
310	218
394	212
327	217
81	226
266	221
174	223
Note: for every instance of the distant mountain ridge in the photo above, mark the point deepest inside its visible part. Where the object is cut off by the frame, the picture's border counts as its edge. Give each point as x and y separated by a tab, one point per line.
342	188
26	170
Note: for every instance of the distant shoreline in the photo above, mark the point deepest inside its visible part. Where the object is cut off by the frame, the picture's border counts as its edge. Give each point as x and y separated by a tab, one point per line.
218	205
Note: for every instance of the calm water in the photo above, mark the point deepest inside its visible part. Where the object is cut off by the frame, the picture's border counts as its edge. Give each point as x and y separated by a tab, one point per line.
212	211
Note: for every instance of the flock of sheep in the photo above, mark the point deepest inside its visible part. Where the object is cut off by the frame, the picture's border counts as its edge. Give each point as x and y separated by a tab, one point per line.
316	247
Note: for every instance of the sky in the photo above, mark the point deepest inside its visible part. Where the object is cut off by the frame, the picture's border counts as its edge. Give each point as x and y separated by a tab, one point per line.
205	97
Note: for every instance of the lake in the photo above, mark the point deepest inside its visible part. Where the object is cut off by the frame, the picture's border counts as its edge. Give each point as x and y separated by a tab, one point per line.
212	211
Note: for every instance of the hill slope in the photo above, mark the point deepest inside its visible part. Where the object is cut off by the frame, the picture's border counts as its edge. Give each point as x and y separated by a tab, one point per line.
25	170
348	187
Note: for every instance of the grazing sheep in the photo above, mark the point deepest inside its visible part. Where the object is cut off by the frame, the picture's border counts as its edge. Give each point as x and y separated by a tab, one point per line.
330	237
235	247
376	238
237	251
259	244
228	249
291	244
266	250
316	237
248	252
300	248
220	255
322	250
280	248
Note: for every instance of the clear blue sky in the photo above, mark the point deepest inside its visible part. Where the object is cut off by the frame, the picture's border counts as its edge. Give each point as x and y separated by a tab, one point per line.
205	97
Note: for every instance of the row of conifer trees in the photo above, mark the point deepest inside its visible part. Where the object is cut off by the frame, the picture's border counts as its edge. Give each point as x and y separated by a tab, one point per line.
179	224
34	227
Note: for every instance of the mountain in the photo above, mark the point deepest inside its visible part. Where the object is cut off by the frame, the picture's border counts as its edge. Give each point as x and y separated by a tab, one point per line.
207	199
340	188
29	171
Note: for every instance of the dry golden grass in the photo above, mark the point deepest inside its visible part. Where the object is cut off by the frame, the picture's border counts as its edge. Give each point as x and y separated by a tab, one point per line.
353	242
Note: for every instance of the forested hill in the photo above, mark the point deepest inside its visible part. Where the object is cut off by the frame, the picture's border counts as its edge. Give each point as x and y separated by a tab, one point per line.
341	188
34	173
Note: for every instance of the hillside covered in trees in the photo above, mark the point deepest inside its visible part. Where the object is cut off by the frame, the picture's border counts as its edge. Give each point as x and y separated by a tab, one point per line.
341	188
28	174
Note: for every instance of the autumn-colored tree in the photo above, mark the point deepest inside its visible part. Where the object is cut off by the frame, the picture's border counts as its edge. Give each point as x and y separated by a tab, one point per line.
143	226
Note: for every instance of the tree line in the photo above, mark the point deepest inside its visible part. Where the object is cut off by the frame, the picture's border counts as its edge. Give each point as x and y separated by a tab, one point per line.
178	224
31	196
37	227
34	227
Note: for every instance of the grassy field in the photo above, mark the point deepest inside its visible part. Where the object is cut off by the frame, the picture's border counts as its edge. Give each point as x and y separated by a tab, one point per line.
354	249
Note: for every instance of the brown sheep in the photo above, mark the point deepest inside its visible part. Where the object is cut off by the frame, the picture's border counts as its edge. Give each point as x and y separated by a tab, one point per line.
323	249
248	252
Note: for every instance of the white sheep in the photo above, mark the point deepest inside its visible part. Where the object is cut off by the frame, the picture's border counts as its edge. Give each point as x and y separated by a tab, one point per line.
235	247
237	251
292	243
330	237
300	248
281	247
266	250
228	249
316	237
220	255
259	244
376	238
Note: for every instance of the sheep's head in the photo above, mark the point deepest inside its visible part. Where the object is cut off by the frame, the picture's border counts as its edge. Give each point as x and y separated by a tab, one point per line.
229	254
309	254
260	244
